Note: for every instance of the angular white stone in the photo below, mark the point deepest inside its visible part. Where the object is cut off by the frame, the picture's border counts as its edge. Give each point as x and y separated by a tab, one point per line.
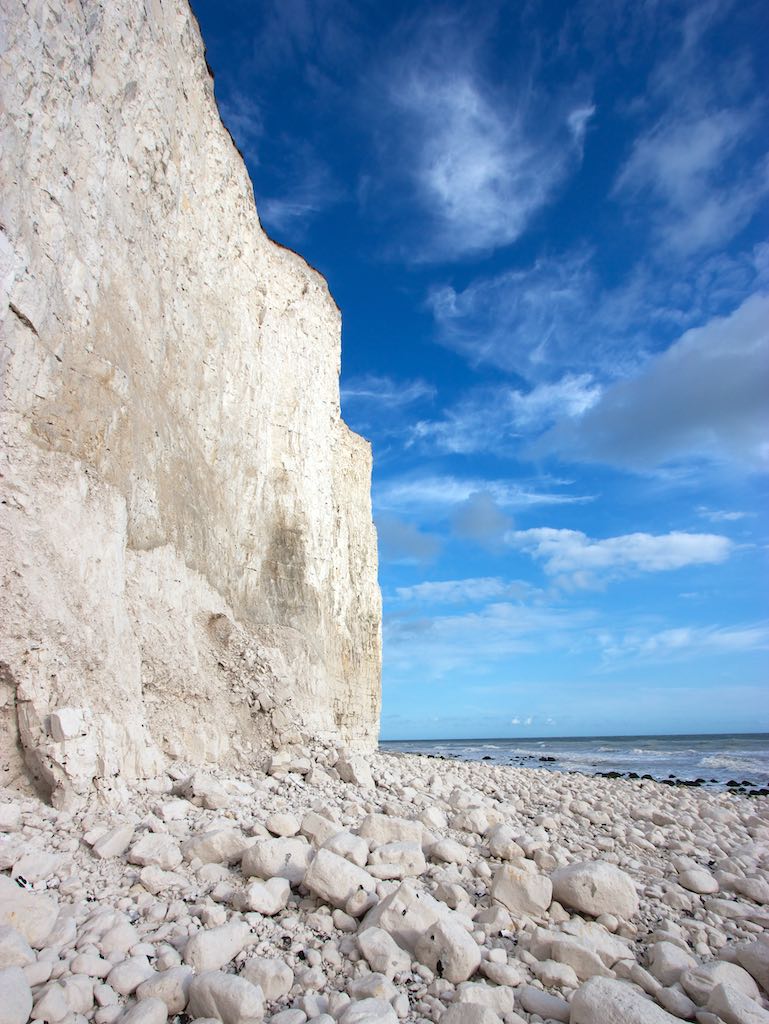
498	998
15	951
351	847
66	724
605	1001
667	962
369	1011
15	996
318	828
595	887
32	915
469	1013
336	879
10	817
445	947
698	982
449	851
114	842
698	880
51	1004
282	825
220	846
734	1007
212	948
381	828
148	1011
158	849
268	897
273	976
754	957
355	770
405	914
382	952
548	1006
225	997
126	976
204	791
277	858
522	892
502	844
172	986
397	860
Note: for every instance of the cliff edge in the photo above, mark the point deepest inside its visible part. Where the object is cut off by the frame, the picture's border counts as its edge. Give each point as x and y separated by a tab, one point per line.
188	560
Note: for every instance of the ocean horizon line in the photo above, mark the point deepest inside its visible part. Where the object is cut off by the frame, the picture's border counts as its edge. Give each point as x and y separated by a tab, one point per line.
584	736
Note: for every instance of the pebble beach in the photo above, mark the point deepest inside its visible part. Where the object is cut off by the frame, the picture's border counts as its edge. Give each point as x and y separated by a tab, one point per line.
331	887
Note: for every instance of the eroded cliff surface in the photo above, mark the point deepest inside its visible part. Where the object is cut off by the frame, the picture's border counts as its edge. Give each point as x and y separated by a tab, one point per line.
188	558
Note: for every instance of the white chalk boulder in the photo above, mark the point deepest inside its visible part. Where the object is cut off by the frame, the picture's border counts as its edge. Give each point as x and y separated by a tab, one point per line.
595	887
605	1001
524	892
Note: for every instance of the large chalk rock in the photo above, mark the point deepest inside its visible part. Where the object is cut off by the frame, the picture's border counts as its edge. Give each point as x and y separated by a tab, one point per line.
605	1001
188	555
595	887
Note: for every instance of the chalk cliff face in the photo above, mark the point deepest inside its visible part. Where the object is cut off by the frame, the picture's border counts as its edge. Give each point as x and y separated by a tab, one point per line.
187	558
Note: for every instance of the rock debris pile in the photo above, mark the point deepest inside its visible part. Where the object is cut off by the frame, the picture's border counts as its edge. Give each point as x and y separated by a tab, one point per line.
333	888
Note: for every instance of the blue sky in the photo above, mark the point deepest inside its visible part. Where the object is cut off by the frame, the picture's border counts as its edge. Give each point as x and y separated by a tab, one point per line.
546	227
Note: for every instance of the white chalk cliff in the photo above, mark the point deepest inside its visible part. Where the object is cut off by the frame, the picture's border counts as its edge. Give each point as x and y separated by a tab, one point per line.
187	557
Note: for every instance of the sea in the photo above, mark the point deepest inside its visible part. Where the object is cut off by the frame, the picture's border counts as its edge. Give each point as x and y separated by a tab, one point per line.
738	761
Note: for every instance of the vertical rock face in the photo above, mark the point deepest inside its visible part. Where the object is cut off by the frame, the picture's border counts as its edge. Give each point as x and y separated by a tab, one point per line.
187	554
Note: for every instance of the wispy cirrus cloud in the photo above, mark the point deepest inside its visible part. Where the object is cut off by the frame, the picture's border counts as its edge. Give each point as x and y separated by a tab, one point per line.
466	591
309	187
685	166
242	116
518	319
554	320
719	515
385	390
581	561
481	159
495	418
443	644
699	168
682	642
445	491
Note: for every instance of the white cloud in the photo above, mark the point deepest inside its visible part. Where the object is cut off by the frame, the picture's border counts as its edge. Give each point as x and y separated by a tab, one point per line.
482	159
698	169
493	419
242	116
552	320
308	188
581	560
687	164
570	396
471	590
721	515
683	642
470	642
444	491
371	388
518	320
704	397
578	121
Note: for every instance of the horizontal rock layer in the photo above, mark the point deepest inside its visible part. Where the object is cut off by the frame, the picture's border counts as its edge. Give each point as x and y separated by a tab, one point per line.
188	559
